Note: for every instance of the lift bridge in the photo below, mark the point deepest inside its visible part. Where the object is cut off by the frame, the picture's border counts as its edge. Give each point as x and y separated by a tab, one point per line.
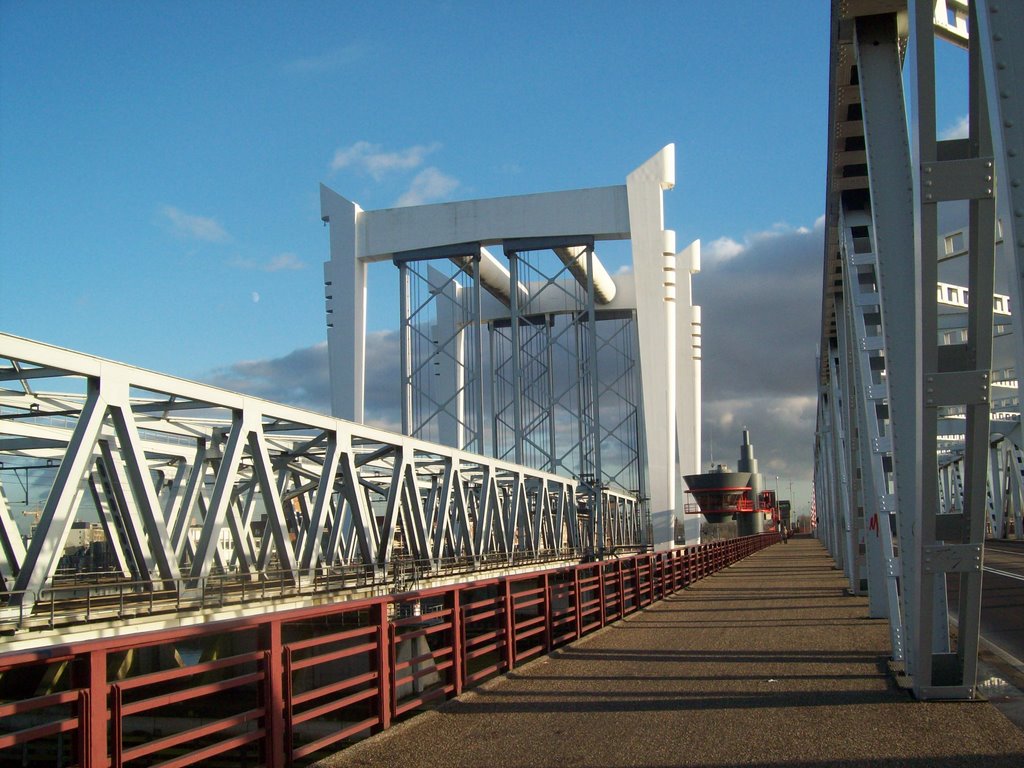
533	496
281	581
193	486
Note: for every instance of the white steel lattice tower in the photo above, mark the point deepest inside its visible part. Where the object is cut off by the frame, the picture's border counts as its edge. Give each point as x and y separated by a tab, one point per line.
536	355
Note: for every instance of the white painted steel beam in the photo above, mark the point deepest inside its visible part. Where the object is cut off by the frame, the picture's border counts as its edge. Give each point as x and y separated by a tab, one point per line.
575	257
931	387
300	493
567	223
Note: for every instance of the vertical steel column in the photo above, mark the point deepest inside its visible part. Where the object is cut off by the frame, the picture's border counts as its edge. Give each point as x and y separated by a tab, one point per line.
906	282
867	444
871	396
552	445
837	449
514	355
997	29
970	537
924	377
405	347
595	404
492	351
931	646
478	356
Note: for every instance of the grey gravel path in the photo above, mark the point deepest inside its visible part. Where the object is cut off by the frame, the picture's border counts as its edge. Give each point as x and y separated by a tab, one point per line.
766	663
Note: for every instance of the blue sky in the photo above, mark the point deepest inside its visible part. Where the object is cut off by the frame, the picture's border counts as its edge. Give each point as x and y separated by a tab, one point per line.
159	165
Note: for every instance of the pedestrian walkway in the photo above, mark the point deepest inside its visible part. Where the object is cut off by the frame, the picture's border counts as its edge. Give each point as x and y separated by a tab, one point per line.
769	662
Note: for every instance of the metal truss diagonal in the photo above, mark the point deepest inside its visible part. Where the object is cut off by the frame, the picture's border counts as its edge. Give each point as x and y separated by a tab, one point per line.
188	485
916	457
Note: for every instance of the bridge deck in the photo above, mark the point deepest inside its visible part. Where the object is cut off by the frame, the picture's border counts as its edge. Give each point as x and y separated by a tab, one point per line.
766	663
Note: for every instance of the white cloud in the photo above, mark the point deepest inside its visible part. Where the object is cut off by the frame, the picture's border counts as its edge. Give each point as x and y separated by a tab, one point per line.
196	227
331	61
959	130
371	158
281	262
284	261
255	297
428	186
722	249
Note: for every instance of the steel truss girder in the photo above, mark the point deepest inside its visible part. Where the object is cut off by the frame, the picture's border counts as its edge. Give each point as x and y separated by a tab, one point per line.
939	527
442	388
1004	493
862	325
297	492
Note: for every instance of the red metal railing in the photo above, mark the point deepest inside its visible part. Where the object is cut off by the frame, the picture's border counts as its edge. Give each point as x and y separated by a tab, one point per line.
275	689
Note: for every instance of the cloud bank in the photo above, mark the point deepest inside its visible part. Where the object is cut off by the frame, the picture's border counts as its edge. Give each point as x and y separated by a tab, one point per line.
761	306
302	378
761	316
959	130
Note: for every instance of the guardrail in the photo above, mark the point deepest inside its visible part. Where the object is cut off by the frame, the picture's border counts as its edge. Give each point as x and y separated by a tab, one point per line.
78	598
279	688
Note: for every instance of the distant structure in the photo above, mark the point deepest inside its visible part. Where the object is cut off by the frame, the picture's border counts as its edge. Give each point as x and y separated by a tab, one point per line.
517	342
721	495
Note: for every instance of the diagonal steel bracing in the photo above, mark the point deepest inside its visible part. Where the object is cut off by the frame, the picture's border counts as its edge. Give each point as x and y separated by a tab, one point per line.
188	483
906	460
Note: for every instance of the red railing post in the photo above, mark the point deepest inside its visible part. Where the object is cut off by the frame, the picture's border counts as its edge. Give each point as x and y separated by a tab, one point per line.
287	694
577	601
547	613
273	693
638	600
622	588
458	647
116	727
90	674
510	628
384	682
654	563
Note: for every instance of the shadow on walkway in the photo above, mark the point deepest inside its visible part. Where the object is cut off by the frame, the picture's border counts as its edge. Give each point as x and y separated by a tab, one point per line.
767	663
